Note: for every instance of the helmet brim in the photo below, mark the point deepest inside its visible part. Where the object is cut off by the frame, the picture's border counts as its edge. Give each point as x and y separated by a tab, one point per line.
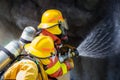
35	52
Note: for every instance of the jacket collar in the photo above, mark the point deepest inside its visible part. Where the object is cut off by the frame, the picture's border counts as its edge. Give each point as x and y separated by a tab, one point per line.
55	38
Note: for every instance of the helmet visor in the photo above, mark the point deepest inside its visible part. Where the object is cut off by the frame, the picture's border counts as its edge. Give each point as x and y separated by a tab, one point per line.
64	24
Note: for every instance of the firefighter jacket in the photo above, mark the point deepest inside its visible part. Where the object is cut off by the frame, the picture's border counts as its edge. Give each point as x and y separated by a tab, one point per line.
25	69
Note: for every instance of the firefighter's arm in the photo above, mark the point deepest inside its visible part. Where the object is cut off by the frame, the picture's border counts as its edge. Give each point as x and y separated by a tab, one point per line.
69	64
68	51
56	68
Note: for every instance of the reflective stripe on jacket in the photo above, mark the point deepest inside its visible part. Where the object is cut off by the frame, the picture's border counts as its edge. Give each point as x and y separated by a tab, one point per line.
55	68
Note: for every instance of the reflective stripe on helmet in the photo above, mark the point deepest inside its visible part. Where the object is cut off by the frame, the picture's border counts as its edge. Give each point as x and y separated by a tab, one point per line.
64	68
53	69
55	18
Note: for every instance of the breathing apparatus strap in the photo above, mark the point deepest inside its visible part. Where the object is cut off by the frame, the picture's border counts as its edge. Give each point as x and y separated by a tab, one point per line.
7	52
25	41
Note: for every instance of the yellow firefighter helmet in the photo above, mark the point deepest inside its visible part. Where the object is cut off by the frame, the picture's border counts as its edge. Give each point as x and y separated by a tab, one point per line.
42	47
50	21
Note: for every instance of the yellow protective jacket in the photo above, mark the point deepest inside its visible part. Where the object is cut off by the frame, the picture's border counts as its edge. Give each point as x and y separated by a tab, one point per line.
53	67
25	70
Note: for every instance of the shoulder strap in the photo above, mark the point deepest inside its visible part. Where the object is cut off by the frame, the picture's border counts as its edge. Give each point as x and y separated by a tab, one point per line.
38	32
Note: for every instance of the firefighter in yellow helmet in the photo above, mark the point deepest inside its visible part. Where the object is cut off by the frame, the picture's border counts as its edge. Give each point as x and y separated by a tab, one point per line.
44	50
53	26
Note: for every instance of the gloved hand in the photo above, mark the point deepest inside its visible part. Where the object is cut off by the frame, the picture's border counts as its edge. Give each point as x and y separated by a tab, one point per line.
69	50
64	50
74	52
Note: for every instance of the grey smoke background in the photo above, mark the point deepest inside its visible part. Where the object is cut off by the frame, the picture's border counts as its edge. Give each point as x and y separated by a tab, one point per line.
94	29
80	14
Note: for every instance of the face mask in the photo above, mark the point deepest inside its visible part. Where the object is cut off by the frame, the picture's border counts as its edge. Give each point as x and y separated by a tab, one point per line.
63	26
